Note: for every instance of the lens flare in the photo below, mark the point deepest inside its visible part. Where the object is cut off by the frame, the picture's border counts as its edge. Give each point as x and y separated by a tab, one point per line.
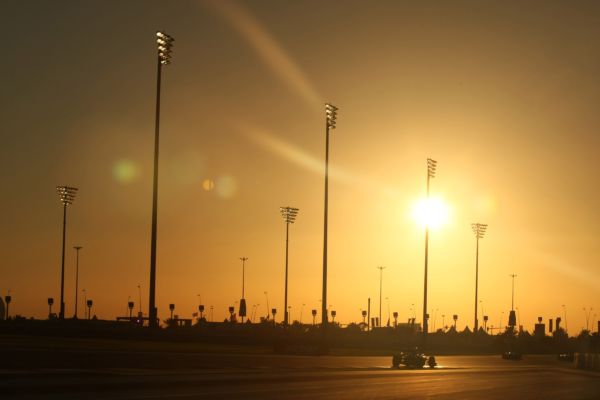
296	155
208	185
226	187
125	171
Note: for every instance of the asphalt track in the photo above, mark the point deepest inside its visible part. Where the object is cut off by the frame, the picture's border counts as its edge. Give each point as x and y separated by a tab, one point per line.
121	374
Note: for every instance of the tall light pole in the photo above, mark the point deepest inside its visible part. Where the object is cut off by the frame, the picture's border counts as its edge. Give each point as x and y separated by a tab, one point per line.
289	216
330	121
380	290
77	248
67	196
479	231
242	311
431	169
164	44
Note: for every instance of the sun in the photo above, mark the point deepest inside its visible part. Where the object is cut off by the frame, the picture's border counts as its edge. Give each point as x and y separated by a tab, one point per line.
433	212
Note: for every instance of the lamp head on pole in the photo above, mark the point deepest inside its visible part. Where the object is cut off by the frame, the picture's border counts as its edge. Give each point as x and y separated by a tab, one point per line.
289	214
164	44
431	167
331	115
66	194
479	230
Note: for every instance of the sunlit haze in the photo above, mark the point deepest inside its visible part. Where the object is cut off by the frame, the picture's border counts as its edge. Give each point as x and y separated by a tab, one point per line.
431	212
503	96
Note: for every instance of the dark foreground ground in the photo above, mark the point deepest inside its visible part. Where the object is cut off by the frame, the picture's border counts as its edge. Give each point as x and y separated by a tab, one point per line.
42	368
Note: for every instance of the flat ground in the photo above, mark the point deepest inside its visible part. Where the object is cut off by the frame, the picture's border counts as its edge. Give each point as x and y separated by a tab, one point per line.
94	369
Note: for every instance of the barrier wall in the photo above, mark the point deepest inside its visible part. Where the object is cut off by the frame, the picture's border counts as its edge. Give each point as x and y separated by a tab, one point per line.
589	361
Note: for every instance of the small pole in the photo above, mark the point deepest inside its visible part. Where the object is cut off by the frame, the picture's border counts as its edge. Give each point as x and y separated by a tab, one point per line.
369	314
380	290
77	248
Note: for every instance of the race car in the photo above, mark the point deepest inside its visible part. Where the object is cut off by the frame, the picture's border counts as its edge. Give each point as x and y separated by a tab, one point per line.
413	360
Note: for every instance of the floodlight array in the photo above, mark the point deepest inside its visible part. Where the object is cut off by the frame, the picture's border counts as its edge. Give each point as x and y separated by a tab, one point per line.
331	114
479	230
66	194
431	167
289	214
164	44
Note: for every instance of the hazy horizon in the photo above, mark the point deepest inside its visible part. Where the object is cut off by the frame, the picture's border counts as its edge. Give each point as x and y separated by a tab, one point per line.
502	95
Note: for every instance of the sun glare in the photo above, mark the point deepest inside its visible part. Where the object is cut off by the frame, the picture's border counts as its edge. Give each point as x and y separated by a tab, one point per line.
433	212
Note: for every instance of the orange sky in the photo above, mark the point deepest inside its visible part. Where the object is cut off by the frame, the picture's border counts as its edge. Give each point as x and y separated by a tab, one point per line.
504	96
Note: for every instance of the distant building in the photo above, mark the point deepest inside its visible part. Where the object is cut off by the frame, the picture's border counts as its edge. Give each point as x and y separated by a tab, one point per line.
540	330
512	319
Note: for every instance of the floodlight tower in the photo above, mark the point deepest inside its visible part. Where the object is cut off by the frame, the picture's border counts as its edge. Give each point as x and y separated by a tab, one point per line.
67	196
77	248
164	44
330	122
431	169
479	231
289	216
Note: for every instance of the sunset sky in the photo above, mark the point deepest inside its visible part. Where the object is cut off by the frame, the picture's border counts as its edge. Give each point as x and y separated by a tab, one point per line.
504	95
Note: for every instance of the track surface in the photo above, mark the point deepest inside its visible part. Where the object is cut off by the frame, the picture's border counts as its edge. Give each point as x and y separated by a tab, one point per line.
51	372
